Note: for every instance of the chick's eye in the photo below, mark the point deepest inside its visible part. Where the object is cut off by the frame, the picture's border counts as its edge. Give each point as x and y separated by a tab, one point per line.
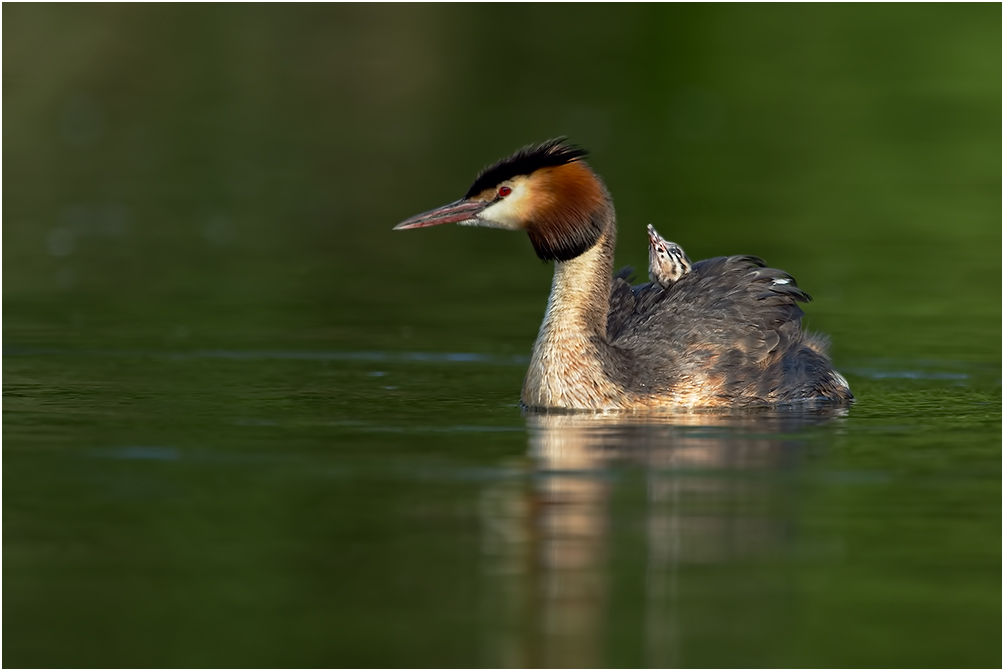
505	191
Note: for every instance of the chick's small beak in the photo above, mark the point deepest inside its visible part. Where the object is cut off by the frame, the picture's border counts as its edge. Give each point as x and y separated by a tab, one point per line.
653	236
452	213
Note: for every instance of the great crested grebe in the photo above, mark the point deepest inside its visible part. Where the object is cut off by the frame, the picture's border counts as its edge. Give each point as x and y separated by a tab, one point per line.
667	261
728	333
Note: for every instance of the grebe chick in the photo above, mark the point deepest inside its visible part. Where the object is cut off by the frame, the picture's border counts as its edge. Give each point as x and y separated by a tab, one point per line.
728	333
667	261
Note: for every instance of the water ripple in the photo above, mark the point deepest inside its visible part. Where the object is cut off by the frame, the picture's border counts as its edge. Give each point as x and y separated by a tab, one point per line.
317	355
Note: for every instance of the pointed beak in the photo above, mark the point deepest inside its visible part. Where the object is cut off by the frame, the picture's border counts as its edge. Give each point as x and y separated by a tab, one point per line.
653	236
461	211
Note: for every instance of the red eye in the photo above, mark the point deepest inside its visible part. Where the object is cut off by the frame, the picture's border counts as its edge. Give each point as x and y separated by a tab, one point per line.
505	191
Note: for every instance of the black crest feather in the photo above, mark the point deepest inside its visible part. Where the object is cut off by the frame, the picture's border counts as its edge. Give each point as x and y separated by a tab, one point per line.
524	162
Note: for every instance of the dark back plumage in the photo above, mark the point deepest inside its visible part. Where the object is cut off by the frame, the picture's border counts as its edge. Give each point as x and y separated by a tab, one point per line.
525	161
731	320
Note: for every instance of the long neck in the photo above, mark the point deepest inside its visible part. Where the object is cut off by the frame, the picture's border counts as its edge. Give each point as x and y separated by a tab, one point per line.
581	291
565	369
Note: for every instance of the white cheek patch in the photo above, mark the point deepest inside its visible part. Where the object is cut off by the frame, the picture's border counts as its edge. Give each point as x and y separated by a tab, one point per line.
506	212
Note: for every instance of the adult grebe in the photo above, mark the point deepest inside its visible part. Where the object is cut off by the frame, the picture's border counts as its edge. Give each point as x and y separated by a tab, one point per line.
667	261
728	333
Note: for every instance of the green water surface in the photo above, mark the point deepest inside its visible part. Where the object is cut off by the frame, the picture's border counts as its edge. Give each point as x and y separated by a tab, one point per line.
248	425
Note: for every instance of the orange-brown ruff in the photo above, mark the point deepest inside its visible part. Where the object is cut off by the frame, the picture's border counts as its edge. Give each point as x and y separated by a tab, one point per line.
728	333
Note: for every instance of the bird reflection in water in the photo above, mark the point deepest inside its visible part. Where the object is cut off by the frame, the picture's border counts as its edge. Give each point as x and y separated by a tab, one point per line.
550	537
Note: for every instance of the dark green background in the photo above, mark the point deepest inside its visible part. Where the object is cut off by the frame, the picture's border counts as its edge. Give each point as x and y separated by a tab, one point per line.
245	424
